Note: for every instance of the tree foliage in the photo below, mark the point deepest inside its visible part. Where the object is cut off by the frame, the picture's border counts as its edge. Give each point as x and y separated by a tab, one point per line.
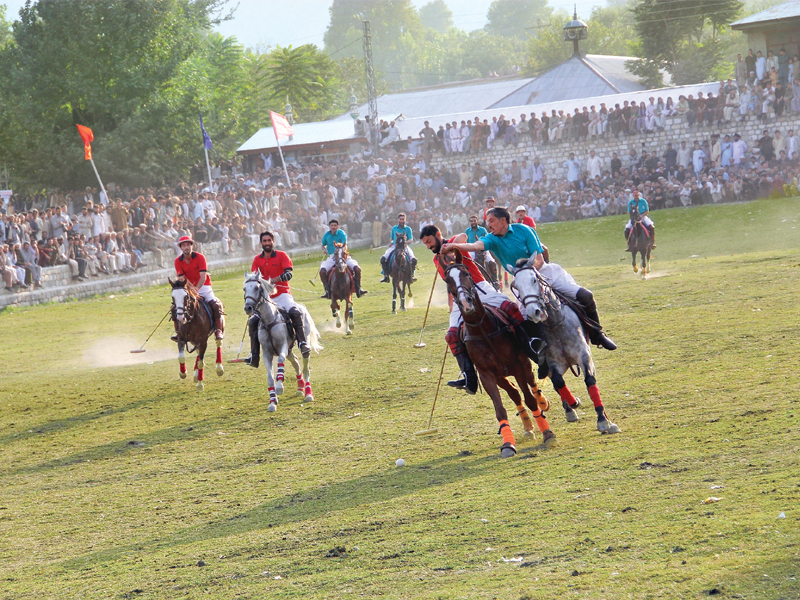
683	37
514	18
437	16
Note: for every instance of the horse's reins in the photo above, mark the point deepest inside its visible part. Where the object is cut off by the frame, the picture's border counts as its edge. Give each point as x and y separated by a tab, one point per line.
546	300
471	296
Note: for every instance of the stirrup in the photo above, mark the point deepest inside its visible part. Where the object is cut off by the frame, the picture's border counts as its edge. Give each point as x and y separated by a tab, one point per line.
537	346
174	337
304	347
385	279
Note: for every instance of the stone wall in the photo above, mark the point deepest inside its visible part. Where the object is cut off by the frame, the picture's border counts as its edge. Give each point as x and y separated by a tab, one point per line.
59	286
553	156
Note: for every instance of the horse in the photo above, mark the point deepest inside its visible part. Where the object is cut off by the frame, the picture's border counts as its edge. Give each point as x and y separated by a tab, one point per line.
640	241
496	355
195	326
567	345
401	272
277	338
341	287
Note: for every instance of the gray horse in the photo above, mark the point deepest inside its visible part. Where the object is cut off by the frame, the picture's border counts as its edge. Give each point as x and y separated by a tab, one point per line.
567	345
275	339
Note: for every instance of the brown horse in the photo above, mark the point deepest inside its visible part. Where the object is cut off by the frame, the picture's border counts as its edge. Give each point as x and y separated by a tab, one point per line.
497	356
402	272
342	288
194	327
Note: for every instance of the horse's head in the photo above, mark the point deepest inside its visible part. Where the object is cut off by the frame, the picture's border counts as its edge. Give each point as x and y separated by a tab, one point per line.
253	292
340	257
181	299
634	214
400	241
530	290
459	282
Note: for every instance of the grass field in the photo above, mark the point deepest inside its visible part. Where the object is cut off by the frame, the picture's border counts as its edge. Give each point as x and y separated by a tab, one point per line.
118	480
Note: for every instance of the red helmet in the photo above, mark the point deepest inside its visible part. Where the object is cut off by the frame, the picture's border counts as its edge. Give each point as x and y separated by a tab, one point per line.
185	238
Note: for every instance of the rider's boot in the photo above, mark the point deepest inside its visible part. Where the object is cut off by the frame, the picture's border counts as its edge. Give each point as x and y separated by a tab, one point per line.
299	332
598	338
469	378
385	267
357	277
174	336
628	239
413	270
219	320
652	231
255	346
323	277
529	336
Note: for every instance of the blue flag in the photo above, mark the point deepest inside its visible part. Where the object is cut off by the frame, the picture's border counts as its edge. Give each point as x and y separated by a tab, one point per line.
206	138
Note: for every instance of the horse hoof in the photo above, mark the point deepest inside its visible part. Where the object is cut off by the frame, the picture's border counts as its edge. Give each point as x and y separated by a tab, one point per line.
608	427
298	393
507	451
394	312
569	411
273	406
403	308
220	369
352	324
548	438
528	434
279	388
200	387
309	398
338	323
635	269
348	332
183	375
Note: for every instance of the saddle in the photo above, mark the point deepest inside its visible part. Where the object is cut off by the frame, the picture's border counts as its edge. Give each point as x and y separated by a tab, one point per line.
352	278
287	320
497	316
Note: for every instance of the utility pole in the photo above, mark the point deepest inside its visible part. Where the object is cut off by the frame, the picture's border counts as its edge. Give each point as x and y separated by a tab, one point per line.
371	99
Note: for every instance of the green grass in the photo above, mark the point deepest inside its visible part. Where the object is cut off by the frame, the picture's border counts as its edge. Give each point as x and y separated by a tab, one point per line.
119	481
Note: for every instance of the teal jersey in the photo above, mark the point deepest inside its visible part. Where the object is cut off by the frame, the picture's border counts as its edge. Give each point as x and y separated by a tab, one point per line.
473	235
520	241
643	208
340	237
404	230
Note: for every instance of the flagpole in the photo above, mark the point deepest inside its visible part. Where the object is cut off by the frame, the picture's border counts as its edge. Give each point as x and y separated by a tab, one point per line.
91	160
208	166
283	162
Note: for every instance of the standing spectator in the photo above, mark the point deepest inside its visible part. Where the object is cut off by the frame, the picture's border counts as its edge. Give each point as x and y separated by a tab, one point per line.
740	71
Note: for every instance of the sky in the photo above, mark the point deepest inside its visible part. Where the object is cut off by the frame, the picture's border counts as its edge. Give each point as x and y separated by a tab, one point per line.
260	23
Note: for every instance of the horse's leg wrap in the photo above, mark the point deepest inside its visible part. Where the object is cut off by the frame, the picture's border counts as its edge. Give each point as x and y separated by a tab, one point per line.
527	423
281	370
505	431
301	384
541	421
273	397
594	394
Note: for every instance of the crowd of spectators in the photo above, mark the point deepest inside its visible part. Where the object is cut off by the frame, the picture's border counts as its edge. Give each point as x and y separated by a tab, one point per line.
99	234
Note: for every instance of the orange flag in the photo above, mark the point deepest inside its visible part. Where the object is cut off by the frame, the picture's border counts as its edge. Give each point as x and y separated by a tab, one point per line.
87	136
280	125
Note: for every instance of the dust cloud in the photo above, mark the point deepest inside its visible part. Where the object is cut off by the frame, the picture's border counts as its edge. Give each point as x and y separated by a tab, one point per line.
116	352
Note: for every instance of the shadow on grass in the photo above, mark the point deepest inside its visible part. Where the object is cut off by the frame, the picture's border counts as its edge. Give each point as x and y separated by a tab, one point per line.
308	505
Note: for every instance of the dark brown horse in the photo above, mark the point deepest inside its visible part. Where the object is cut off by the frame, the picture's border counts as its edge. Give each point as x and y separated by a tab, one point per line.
194	327
640	241
342	287
497	356
402	274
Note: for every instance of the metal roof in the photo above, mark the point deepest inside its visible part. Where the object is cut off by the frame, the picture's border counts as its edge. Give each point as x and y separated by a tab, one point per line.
412	127
787	10
321	132
441	99
578	77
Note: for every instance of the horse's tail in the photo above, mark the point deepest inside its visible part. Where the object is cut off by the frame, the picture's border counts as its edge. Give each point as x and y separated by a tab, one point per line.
312	334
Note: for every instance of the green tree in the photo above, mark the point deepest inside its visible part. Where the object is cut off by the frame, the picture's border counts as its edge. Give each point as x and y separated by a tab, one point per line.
514	18
124	69
437	16
396	34
683	37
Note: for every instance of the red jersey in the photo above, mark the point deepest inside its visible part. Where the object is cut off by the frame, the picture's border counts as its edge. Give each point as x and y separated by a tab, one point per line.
273	266
473	269
527	220
191	269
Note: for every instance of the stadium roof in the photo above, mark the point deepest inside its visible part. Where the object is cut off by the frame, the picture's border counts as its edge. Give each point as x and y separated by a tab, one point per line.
787	10
305	134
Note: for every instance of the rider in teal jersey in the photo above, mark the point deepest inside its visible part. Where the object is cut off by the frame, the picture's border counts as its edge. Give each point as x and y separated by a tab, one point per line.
400	229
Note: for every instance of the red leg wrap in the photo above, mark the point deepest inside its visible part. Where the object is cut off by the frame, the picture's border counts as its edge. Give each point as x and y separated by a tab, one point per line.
567	396
200	374
594	394
183	367
219	355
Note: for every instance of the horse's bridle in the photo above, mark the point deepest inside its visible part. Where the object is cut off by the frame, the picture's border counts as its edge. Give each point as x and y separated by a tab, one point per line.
544	298
188	310
339	258
260	299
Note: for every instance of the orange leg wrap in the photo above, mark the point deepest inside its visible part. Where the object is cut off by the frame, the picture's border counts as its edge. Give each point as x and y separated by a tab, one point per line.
505	431
526	418
541	421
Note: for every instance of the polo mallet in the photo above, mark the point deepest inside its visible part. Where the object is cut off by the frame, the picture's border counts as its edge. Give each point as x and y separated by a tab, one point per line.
244	333
311	281
429	430
420	343
141	348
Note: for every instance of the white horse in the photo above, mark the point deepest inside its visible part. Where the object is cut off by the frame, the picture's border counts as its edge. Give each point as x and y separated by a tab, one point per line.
275	339
567	345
